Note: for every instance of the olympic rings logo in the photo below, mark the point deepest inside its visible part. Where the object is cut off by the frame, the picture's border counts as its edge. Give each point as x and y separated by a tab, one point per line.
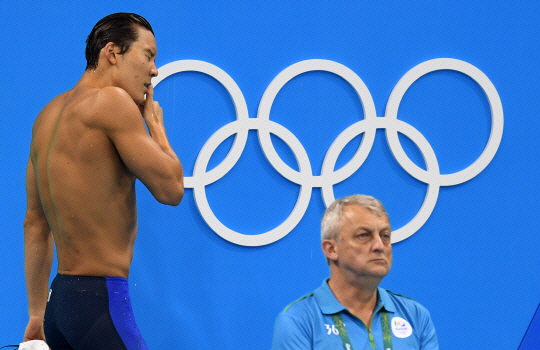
328	178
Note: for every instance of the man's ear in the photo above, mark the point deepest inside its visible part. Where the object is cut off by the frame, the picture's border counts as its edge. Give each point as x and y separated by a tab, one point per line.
111	52
330	250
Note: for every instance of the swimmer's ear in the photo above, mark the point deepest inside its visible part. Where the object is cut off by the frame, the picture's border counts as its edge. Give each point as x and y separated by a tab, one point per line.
111	50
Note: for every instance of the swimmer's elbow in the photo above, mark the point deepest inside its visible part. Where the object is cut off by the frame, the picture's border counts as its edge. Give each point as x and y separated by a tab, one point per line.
35	226
172	196
177	198
168	188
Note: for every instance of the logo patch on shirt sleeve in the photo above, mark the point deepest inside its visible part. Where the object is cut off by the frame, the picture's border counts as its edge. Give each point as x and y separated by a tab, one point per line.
401	328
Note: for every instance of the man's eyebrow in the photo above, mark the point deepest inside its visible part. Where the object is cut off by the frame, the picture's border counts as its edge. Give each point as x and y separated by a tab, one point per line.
367	227
364	227
152	54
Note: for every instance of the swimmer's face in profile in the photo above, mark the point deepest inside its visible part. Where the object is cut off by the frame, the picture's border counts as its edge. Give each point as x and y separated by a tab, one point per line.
126	44
136	67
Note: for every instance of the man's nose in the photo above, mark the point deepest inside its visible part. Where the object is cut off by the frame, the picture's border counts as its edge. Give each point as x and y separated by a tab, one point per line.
154	71
378	244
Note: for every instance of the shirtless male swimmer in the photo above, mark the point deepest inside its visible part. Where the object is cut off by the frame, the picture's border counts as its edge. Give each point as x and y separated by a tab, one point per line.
88	146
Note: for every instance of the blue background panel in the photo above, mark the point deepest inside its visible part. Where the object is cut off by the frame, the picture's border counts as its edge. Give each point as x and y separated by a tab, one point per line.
473	264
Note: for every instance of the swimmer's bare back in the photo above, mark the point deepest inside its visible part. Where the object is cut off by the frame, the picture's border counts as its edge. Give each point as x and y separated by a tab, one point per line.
88	147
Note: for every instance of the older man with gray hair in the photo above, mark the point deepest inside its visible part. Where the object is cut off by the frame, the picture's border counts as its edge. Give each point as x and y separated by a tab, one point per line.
350	310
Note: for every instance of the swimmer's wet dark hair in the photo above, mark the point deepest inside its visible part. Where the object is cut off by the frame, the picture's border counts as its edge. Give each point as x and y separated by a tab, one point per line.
119	28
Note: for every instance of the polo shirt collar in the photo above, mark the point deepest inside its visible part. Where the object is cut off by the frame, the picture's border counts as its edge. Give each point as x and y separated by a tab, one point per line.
330	305
385	301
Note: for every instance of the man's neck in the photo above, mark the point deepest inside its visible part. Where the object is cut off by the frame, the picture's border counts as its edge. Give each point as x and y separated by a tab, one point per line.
359	298
98	78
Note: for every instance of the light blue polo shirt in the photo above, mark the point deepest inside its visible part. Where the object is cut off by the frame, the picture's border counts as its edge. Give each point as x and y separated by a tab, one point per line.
308	324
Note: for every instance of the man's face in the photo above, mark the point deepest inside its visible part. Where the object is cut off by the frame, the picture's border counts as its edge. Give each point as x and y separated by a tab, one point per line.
363	246
137	66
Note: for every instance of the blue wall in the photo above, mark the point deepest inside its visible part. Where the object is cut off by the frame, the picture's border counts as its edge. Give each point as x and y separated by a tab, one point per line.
474	263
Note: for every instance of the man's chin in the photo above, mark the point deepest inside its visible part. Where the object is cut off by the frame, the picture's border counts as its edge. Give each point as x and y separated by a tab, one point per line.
139	101
139	104
381	272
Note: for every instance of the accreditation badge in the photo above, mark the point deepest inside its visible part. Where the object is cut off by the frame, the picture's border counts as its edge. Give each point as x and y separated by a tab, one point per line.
401	328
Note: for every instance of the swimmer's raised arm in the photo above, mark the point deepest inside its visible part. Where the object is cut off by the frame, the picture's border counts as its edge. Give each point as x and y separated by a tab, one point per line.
149	157
38	257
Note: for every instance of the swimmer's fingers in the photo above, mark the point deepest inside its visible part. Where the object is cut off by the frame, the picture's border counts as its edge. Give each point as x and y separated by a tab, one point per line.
150	93
148	102
34	329
148	96
152	112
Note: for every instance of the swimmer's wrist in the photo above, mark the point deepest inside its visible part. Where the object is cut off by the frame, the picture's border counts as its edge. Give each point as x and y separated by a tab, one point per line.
37	317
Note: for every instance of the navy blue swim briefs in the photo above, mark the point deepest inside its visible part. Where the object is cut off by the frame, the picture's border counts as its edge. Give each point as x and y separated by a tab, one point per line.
86	312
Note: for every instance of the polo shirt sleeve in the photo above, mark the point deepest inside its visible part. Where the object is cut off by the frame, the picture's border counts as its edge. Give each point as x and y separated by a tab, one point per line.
428	338
291	333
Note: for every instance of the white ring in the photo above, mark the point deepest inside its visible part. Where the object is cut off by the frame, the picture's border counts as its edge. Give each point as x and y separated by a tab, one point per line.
268	99
241	114
496	117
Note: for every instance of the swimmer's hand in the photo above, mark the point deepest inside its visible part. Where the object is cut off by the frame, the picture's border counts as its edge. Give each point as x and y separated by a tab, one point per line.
151	111
153	117
34	329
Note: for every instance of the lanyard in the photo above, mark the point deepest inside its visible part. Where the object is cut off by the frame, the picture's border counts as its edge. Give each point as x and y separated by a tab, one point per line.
387	336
